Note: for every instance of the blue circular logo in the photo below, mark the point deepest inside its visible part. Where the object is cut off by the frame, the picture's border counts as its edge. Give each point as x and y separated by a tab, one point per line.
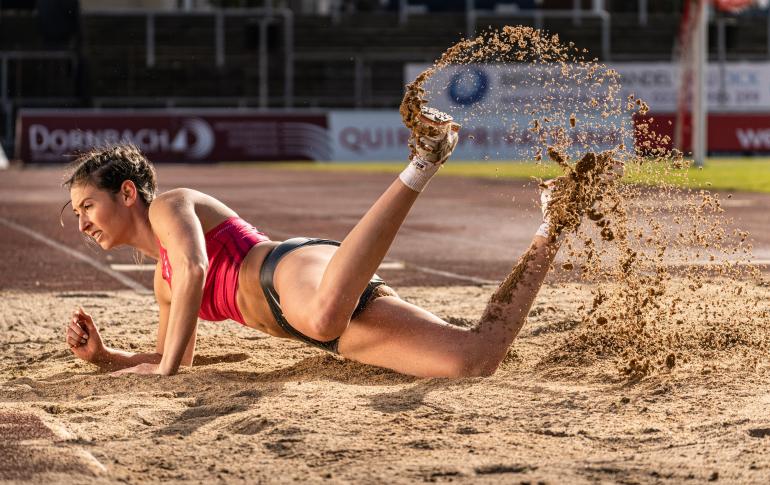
468	86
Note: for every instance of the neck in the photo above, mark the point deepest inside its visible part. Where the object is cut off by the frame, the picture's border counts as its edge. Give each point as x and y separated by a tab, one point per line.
142	238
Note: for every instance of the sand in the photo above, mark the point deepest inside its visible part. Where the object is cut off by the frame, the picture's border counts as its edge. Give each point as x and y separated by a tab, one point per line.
256	408
637	374
623	249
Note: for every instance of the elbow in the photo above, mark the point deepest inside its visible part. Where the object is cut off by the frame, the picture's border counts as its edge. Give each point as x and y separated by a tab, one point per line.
198	268
194	270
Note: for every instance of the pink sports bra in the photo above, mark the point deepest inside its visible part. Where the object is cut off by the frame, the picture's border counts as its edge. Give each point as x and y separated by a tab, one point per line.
226	246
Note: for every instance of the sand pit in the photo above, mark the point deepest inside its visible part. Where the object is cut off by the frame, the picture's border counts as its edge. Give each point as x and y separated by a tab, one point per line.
256	408
34	448
634	374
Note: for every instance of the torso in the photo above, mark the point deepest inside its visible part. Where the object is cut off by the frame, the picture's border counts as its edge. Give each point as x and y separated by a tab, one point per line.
250	298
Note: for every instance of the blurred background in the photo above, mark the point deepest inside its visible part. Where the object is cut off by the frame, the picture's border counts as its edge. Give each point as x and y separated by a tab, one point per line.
238	80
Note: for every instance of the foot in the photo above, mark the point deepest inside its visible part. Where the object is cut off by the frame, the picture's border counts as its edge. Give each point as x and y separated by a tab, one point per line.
546	193
435	138
615	171
431	144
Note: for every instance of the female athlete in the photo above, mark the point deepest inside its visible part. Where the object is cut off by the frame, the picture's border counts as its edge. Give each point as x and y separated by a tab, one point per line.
214	265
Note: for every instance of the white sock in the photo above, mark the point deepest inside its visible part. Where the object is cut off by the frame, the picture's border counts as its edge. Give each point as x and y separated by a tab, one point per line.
544	230
545	198
418	173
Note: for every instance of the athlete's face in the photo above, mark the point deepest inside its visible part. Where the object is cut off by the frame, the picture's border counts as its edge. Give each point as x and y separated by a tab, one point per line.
100	214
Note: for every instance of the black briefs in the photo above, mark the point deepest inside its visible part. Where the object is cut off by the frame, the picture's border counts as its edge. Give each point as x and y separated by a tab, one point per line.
266	280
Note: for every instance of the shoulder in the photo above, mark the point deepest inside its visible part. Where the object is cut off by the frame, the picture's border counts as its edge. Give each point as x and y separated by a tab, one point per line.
176	195
183	208
173	211
175	201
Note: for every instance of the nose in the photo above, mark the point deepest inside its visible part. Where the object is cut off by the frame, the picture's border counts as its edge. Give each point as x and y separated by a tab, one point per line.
83	223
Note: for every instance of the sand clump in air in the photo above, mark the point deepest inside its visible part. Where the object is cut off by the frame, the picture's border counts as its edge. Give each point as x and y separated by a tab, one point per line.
647	264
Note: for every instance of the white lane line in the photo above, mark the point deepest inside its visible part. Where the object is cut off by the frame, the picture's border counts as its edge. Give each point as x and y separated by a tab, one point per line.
407	265
132	267
449	274
737	202
751	262
391	265
91	461
77	255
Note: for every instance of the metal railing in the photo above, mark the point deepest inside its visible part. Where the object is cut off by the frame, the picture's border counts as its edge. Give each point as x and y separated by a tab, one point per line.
538	16
267	16
362	61
7	103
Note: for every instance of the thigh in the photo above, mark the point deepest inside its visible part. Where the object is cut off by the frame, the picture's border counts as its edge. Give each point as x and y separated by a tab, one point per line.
296	280
403	337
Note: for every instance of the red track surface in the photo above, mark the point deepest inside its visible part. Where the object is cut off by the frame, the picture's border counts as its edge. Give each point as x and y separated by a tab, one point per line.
469	227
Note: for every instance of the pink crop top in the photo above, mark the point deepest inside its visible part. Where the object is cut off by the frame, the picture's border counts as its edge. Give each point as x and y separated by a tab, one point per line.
226	246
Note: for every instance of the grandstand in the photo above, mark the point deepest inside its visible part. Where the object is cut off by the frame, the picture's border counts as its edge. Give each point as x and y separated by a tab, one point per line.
299	54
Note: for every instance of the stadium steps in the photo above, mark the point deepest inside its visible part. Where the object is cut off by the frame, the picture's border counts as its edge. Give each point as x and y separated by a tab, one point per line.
746	38
654	42
378	33
20	31
587	34
325	53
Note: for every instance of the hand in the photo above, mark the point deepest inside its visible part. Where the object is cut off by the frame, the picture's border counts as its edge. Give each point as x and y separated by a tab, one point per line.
143	369
83	337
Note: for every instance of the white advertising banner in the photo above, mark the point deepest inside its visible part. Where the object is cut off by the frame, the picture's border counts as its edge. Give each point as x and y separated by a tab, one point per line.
367	135
731	87
514	111
381	136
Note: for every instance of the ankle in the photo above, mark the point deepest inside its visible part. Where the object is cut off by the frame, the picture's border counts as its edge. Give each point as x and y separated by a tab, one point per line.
418	173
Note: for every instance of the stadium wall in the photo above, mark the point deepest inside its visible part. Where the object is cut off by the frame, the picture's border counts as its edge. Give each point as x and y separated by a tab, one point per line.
739	121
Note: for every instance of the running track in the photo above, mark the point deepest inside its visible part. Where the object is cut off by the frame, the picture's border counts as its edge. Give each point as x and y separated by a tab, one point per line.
461	231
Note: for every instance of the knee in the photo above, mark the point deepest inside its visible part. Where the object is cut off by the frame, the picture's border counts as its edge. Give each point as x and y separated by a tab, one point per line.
326	321
472	364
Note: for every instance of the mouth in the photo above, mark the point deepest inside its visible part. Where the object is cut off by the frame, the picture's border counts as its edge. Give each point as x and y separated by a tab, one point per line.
96	235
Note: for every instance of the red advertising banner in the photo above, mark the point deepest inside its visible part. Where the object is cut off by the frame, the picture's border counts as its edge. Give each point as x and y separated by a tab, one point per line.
54	136
727	132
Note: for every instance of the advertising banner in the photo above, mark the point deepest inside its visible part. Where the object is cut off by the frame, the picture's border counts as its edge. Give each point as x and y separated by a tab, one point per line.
731	86
735	133
512	111
371	135
381	136
175	135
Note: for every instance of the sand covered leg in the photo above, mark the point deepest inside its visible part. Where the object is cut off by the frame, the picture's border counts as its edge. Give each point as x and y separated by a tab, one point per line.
509	305
395	334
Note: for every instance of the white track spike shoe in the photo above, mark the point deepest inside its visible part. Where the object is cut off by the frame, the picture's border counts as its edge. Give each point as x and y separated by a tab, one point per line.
436	138
433	140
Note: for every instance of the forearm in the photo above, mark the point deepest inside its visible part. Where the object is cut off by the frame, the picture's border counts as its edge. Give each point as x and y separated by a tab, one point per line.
115	359
183	318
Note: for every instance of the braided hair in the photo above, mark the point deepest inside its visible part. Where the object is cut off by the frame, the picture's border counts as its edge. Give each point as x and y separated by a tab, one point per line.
106	168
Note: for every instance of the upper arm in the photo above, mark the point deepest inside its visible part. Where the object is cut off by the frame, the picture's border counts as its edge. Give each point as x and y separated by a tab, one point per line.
176	224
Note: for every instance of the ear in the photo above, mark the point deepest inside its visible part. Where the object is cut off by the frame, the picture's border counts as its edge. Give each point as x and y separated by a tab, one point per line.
128	193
